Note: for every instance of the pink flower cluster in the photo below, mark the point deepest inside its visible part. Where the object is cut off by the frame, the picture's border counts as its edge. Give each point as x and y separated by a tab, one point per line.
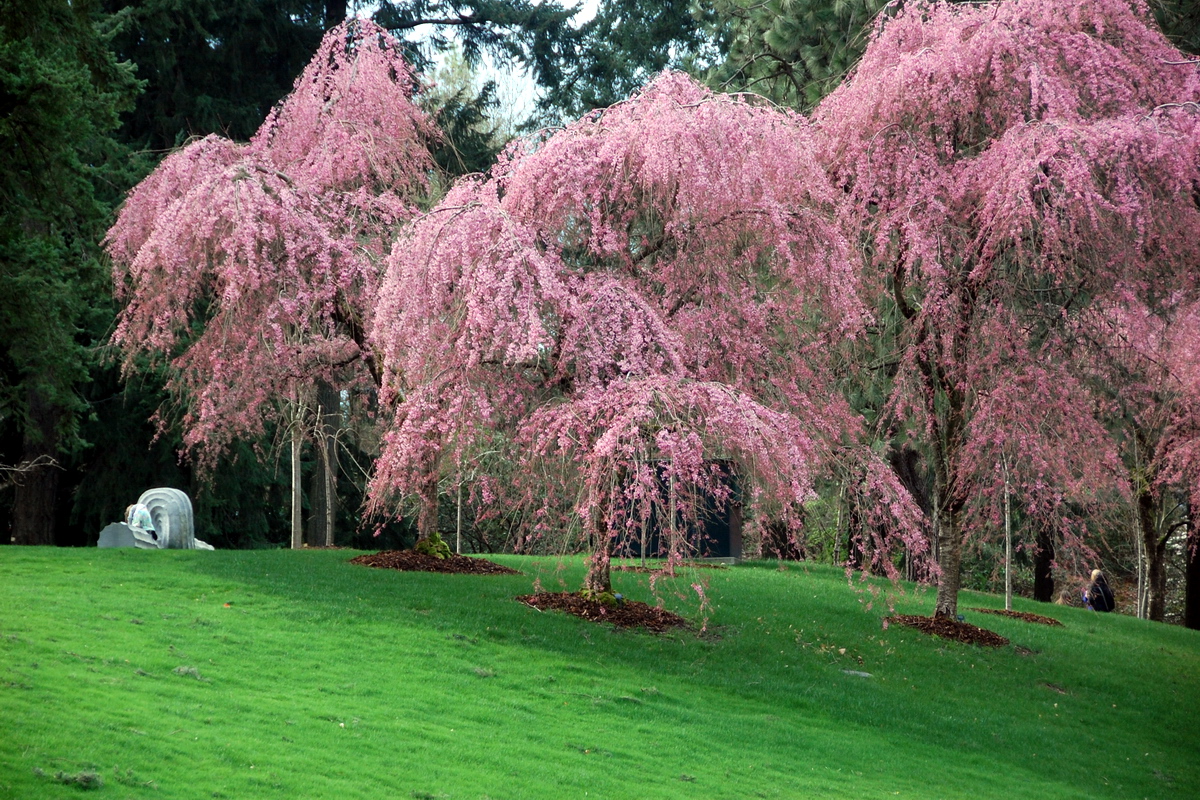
246	268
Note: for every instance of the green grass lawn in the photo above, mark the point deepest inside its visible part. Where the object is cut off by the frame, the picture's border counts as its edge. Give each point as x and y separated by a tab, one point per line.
247	674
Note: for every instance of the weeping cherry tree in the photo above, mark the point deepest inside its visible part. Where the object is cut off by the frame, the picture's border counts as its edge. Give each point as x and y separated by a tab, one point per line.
251	269
1006	165
645	299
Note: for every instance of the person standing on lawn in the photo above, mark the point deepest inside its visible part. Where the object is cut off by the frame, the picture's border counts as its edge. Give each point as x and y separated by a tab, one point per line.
1098	596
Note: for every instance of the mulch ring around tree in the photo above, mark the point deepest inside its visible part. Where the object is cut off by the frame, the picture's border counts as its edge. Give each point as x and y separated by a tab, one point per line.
412	561
629	614
1021	615
663	569
963	632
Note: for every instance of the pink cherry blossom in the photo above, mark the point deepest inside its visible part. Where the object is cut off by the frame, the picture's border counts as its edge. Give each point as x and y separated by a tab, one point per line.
249	270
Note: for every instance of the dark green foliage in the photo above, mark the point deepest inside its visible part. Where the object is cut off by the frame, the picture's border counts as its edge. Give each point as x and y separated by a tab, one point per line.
61	91
1180	21
469	143
124	457
242	504
797	51
535	35
793	51
626	44
582	67
213	66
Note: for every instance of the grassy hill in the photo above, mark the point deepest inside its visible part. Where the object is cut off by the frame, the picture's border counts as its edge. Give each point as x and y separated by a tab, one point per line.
248	674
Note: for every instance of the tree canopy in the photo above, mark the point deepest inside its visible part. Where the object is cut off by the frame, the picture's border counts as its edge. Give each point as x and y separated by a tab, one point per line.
61	91
1009	164
259	259
626	296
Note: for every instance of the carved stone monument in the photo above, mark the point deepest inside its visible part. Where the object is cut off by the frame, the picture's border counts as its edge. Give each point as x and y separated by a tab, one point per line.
119	534
171	512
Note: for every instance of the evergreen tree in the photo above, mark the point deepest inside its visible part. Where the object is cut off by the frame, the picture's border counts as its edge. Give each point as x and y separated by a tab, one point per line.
213	67
61	91
792	51
797	51
626	44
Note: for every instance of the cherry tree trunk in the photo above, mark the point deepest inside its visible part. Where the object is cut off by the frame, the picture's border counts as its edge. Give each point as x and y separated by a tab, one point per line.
1155	556
427	496
945	439
325	471
949	562
599	576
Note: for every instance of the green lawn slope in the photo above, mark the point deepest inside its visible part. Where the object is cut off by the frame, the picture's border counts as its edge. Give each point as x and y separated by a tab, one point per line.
248	674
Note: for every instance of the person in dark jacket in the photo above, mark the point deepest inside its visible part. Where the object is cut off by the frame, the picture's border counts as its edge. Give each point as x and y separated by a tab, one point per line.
1098	596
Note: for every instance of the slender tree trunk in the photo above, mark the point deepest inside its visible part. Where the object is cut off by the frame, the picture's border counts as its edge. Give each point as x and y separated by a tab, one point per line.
297	504
1154	554
854	535
458	517
949	507
329	459
1191	601
599	576
427	495
324	480
35	499
837	528
1007	541
949	562
1140	554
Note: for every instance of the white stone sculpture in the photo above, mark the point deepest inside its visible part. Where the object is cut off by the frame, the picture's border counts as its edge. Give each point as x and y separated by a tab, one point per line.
171	512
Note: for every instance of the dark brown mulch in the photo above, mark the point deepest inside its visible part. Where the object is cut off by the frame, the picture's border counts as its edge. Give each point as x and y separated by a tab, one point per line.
951	629
1021	615
412	561
629	614
639	568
